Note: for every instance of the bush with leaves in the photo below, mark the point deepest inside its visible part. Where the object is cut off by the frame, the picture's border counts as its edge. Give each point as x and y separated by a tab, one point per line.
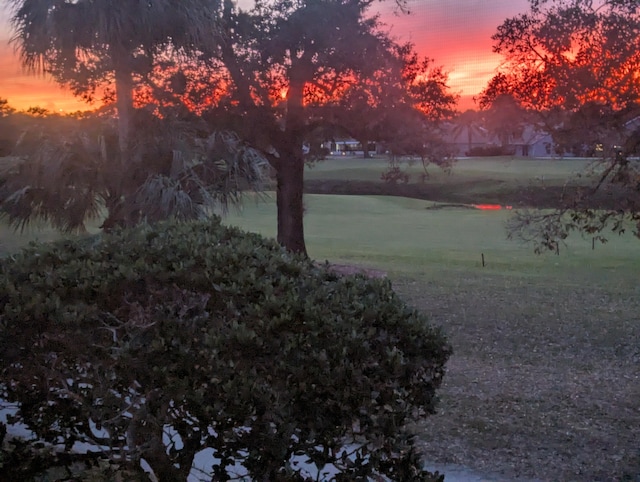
159	342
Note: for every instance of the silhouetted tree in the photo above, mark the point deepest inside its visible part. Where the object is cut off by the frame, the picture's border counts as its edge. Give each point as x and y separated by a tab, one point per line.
283	60
575	64
62	171
91	44
8	135
399	104
261	72
5	108
505	119
172	166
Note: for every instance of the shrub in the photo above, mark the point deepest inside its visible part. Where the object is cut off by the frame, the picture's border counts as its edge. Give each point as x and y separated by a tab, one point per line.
160	342
490	151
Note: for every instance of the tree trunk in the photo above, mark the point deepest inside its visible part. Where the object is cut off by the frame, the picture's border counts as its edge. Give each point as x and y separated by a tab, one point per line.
290	173
116	212
365	147
290	178
124	105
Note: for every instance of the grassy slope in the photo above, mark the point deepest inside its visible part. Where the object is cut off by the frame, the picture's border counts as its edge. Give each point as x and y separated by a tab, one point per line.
503	180
498	168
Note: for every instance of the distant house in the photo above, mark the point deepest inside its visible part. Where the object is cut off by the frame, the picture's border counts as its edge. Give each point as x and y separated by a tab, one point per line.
533	142
460	139
346	146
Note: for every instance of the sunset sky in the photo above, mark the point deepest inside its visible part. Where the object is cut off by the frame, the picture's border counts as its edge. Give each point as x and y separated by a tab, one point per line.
455	33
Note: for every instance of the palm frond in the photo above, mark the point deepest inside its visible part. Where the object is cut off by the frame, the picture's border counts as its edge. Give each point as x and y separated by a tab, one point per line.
57	178
213	172
57	31
162	197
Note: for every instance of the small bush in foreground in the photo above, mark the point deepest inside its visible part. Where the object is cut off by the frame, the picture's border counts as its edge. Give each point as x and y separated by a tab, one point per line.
159	343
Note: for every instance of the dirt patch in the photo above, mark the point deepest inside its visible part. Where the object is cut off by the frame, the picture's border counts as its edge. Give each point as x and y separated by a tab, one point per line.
437	207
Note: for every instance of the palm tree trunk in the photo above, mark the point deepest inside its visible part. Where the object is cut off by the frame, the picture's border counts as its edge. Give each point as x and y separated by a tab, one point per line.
116	212
124	105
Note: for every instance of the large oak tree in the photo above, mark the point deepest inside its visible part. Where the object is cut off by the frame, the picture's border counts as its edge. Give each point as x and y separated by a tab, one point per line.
282	55
294	65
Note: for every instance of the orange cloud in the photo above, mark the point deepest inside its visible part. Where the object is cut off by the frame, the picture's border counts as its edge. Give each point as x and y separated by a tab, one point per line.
24	90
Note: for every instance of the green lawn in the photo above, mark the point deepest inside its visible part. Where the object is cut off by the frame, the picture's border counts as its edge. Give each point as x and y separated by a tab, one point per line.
504	168
411	236
543	383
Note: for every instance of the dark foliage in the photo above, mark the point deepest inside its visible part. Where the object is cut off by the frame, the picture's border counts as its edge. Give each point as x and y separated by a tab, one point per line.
68	172
572	66
490	151
214	338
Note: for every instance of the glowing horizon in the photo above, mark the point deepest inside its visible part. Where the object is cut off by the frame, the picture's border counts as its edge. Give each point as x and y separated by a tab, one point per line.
458	38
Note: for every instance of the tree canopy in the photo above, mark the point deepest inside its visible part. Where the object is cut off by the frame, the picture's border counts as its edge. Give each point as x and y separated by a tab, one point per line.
399	104
576	63
288	73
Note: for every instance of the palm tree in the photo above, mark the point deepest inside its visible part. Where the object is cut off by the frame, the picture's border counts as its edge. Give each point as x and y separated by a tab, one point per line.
470	122
62	172
87	42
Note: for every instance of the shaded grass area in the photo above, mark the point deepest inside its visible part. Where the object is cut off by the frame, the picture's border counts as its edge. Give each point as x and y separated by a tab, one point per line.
12	240
544	382
519	182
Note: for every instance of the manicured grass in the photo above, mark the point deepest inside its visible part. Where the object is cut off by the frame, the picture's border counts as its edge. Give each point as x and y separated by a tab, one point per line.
505	168
415	236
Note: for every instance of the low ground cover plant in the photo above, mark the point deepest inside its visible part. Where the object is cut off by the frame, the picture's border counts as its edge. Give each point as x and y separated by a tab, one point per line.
161	342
